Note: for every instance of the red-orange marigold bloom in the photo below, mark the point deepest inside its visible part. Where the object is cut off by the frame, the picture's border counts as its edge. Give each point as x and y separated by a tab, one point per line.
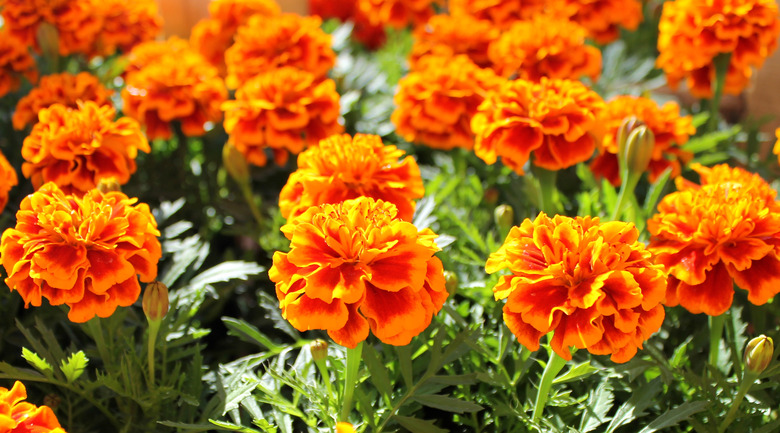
66	89
545	46
15	62
263	44
453	35
671	131
126	24
84	252
76	21
19	416
397	13
342	168
552	119
75	148
435	104
502	13
8	180
285	110
592	284
602	18
692	33
354	266
179	85
711	236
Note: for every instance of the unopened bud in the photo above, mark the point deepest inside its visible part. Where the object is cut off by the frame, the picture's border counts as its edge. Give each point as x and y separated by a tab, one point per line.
450	282
758	354
504	217
108	184
235	163
636	143
48	40
319	349
155	301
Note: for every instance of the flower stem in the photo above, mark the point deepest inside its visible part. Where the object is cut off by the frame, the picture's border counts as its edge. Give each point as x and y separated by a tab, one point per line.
322	366
547	190
350	380
95	326
246	191
627	187
721	65
154	329
747	381
554	366
717	324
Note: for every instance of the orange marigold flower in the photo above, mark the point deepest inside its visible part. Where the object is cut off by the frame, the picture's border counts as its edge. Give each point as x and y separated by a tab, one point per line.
66	89
19	416
287	40
602	18
342	168
155	51
126	24
84	252
397	13
285	110
670	129
552	119
692	33
15	62
75	148
453	35
435	104
354	265
345	427
502	13
76	22
179	85
592	284
725	231
8	180
545	46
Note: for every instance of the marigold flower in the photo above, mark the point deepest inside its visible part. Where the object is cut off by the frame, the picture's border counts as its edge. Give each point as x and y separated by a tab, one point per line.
66	89
288	40
8	180
453	35
435	104
76	22
19	416
342	168
75	148
285	110
126	24
15	62
693	32
397	13
592	284
671	131
179	85
354	266
345	427
552	119
545	46
725	231
84	252
502	13
602	18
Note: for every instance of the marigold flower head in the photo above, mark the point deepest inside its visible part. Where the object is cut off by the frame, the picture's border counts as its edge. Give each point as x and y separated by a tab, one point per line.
354	266
397	13
592	284
692	33
602	18
671	131
342	168
435	104
502	13
725	231
76	21
66	89
8	180
345	427
178	86
19	416
75	148
285	110
454	35
126	24
84	252
552	118
287	40
545	46
15	62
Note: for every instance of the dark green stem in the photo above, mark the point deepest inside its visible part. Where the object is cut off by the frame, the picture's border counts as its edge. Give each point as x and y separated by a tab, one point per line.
554	366
350	380
547	190
747	381
721	65
716	333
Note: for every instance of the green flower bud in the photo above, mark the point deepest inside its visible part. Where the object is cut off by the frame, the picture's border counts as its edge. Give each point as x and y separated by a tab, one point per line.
635	145
504	217
450	282
108	184
319	349
235	163
155	301
758	354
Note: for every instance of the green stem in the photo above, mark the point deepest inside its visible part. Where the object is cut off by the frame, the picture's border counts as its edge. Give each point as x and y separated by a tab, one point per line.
554	366
95	326
547	190
747	381
627	187
721	65
322	366
716	332
154	329
350	380
246	191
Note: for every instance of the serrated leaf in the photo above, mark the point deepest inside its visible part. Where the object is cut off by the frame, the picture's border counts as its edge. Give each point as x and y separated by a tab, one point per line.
415	425
250	334
378	372
226	271
36	361
635	406
448	404
74	366
598	405
577	372
226	426
675	416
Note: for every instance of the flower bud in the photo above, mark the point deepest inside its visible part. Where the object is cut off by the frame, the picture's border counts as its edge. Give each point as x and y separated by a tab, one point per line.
108	184
155	301
319	349
758	354
235	163
636	143
48	40
504	217
450	282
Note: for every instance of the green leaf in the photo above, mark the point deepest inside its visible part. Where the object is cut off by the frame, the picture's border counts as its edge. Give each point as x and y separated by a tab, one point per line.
447	404
655	191
378	371
415	425
598	405
74	366
226	271
635	406
247	332
674	416
577	372
226	426
405	364
36	361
